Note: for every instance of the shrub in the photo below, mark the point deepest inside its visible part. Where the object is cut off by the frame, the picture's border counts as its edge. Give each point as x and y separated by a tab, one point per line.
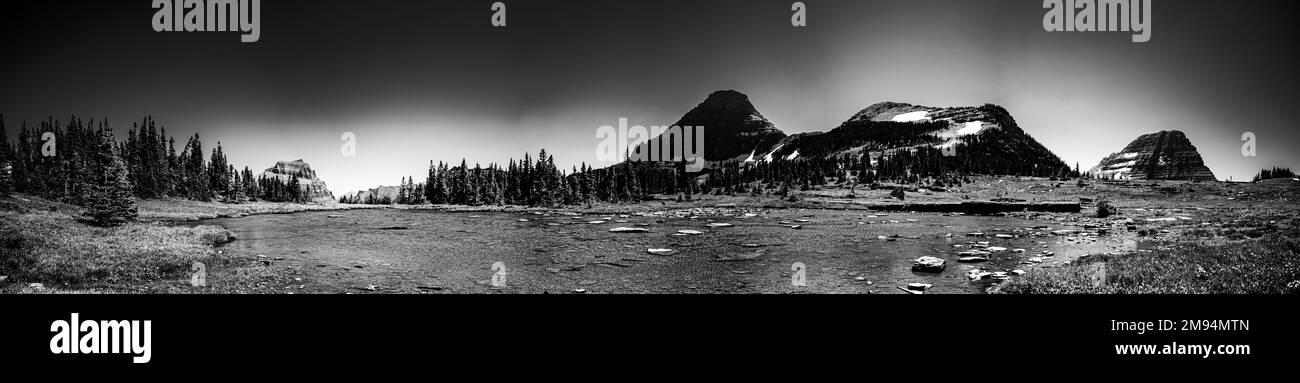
1104	209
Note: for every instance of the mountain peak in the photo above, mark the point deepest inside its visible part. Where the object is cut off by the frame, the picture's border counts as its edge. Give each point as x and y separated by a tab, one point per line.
312	187
733	126
726	95
730	103
1164	155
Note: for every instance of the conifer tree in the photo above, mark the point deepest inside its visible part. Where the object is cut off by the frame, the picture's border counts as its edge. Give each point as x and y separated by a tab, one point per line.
110	199
6	161
293	190
429	184
237	190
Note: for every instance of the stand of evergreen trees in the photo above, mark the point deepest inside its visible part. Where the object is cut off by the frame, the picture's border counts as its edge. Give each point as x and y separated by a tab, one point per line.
1276	172
538	182
87	167
154	169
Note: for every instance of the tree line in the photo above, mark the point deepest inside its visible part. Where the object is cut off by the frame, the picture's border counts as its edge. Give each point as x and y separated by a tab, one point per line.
1275	172
155	169
82	163
538	182
533	182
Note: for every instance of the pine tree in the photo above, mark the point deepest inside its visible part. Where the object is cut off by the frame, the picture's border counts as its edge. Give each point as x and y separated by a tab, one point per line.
293	191
218	177
237	190
195	172
6	178
442	190
473	196
110	200
585	185
430	182
402	191
6	161
251	187
460	185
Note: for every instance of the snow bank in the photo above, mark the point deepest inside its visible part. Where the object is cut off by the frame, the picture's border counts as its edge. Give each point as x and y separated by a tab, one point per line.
971	128
912	117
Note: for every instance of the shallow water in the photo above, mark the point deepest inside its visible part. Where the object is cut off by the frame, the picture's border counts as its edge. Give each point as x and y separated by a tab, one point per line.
408	251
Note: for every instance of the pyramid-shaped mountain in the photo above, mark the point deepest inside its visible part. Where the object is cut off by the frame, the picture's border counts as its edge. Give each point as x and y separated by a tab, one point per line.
733	128
1167	155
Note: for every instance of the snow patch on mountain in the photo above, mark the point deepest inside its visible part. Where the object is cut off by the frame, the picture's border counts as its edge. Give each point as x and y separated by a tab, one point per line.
912	117
972	127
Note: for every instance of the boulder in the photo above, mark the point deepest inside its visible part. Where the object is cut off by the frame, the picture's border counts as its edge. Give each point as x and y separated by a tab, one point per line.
929	265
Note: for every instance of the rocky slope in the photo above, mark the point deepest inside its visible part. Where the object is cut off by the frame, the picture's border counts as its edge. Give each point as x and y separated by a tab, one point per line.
733	128
312	187
986	137
382	194
1167	155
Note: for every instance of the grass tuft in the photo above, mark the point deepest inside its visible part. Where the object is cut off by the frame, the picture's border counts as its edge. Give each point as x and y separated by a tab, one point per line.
55	249
1269	265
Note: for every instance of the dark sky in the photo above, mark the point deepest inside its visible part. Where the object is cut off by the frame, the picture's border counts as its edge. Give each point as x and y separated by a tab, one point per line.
432	80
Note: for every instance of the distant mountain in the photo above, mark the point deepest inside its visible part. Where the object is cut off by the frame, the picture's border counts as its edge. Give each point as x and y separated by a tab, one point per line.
733	128
979	140
382	195
987	139
1167	155
312	187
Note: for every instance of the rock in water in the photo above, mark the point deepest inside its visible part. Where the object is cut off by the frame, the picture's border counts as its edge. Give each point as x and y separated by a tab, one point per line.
928	265
311	186
1167	155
